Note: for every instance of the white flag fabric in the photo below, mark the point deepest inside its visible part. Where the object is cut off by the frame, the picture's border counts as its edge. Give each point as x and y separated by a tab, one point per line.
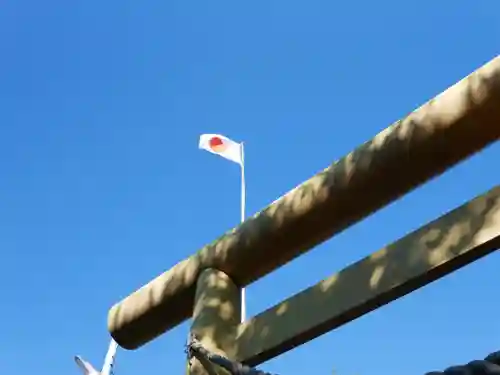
222	146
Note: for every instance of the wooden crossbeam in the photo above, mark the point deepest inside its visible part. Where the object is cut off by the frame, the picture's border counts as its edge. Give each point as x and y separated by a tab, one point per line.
433	251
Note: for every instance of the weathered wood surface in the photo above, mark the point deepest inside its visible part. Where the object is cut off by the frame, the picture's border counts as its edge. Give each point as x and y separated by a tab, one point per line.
456	239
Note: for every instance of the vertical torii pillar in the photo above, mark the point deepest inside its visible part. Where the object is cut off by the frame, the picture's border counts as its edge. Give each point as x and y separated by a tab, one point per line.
216	314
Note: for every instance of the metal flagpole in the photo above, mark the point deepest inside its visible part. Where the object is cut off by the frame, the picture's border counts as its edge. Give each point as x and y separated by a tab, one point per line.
107	368
243	202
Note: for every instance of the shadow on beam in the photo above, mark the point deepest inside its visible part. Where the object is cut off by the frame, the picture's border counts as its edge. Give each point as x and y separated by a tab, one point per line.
433	251
446	130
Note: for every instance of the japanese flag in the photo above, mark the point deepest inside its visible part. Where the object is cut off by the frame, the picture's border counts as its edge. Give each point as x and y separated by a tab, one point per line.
222	146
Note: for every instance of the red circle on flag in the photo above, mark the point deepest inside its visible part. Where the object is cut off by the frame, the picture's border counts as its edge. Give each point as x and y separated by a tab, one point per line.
217	144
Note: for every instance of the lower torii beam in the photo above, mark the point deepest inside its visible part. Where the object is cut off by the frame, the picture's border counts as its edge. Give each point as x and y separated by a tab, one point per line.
437	249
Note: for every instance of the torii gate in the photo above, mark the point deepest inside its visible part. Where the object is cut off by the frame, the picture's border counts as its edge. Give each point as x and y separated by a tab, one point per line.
446	130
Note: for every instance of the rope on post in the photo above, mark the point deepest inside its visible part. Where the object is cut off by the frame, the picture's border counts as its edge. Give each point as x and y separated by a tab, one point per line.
195	349
489	366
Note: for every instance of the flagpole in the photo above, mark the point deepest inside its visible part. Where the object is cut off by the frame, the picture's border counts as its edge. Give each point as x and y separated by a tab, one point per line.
109	359
243	203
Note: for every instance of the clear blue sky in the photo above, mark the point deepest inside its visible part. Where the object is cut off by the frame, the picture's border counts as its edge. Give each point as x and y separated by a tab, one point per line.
102	186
